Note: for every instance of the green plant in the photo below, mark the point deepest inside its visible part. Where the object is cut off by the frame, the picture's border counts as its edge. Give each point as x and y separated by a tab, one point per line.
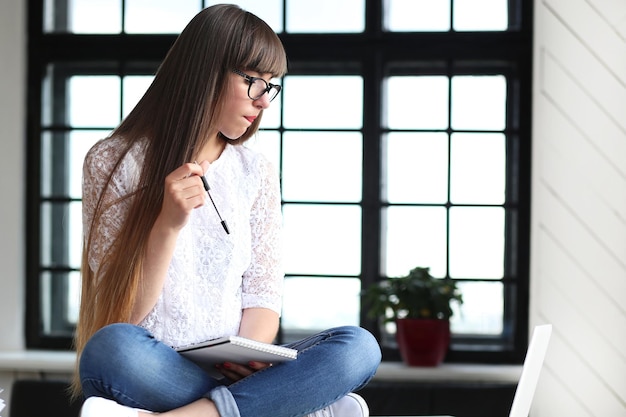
414	296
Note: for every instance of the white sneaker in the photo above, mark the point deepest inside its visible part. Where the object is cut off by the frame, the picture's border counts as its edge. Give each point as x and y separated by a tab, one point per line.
352	405
102	407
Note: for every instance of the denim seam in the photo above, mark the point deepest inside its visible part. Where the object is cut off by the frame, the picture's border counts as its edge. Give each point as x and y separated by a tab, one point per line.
116	394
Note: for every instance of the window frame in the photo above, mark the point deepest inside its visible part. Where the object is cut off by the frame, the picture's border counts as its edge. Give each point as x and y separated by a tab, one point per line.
368	54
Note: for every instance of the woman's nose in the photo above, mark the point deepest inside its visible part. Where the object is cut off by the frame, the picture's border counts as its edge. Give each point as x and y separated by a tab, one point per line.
263	102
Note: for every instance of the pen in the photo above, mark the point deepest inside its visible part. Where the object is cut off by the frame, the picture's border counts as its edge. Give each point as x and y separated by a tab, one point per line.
205	183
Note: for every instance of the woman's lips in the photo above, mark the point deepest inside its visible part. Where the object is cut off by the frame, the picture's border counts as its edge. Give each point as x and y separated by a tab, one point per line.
251	119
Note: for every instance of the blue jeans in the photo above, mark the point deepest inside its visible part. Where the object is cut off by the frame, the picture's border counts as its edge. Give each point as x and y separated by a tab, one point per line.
127	364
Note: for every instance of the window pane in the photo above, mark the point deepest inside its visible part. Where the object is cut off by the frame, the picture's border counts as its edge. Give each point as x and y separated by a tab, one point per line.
482	311
62	157
134	88
478	168
79	144
417	15
143	16
54	173
414	236
94	101
267	142
60	293
73	300
159	16
322	239
302	314
416	102
479	102
271	11
325	16
416	167
312	173
480	15
476	242
61	234
328	101
48	114
84	16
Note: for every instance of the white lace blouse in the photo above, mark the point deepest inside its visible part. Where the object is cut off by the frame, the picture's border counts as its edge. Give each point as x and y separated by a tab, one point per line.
212	275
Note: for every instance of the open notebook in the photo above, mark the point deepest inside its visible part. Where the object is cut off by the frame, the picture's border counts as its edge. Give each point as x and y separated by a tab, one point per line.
533	363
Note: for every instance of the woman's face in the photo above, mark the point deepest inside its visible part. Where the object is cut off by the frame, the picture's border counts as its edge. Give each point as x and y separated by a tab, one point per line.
239	110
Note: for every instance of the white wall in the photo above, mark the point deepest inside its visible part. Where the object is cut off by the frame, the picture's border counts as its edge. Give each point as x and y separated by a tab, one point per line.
578	264
12	171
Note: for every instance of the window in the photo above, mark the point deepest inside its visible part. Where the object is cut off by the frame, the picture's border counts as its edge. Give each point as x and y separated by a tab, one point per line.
402	136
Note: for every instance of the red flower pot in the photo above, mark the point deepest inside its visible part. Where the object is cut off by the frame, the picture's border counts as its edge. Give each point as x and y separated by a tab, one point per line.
422	342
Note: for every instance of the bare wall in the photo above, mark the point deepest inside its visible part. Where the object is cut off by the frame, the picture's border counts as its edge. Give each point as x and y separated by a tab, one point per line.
12	171
578	262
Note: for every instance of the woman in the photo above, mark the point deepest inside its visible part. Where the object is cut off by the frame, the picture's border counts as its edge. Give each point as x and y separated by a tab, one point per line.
162	267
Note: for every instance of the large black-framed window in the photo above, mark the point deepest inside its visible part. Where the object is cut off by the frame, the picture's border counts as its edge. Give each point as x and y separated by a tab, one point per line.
428	163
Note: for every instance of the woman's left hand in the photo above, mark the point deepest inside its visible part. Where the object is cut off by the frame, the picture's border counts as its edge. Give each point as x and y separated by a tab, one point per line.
236	371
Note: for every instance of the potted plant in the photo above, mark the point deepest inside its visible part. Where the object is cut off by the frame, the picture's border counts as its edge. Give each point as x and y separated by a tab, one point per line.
421	307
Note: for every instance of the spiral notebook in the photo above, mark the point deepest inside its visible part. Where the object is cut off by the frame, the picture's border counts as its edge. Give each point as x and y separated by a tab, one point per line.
235	349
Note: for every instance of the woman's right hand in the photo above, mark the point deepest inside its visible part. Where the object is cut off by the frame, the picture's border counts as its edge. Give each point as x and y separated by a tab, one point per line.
183	193
236	372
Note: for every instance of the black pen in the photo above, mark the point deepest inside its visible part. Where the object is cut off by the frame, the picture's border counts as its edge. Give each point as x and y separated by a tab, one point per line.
205	183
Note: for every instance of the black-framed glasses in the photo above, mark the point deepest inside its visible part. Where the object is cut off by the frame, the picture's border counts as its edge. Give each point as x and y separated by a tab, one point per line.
258	86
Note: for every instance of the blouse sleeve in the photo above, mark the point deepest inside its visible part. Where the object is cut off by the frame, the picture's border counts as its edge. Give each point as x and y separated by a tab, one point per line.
97	166
263	281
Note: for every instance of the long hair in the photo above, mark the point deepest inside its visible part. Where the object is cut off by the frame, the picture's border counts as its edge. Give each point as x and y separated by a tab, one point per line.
175	118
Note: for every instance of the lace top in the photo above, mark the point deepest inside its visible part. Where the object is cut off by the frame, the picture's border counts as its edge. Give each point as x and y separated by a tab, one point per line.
212	275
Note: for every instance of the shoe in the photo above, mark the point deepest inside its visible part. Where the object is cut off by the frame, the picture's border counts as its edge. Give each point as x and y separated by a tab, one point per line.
102	407
352	405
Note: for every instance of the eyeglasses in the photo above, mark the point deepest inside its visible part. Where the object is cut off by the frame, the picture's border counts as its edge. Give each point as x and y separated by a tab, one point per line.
258	86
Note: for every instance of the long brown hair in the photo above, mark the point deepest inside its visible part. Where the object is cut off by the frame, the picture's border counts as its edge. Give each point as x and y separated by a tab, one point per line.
174	118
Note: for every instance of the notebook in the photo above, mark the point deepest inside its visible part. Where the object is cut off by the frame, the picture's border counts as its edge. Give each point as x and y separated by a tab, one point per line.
234	349
533	363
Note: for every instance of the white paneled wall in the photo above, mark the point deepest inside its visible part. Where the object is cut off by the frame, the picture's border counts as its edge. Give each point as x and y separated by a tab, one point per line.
578	263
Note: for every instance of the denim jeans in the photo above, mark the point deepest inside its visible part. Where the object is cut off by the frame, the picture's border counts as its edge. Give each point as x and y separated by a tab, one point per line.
127	364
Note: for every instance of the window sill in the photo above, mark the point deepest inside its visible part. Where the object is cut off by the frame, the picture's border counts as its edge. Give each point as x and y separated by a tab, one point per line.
457	372
41	361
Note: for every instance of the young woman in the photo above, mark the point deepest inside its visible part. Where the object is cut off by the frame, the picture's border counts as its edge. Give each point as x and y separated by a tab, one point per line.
165	267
